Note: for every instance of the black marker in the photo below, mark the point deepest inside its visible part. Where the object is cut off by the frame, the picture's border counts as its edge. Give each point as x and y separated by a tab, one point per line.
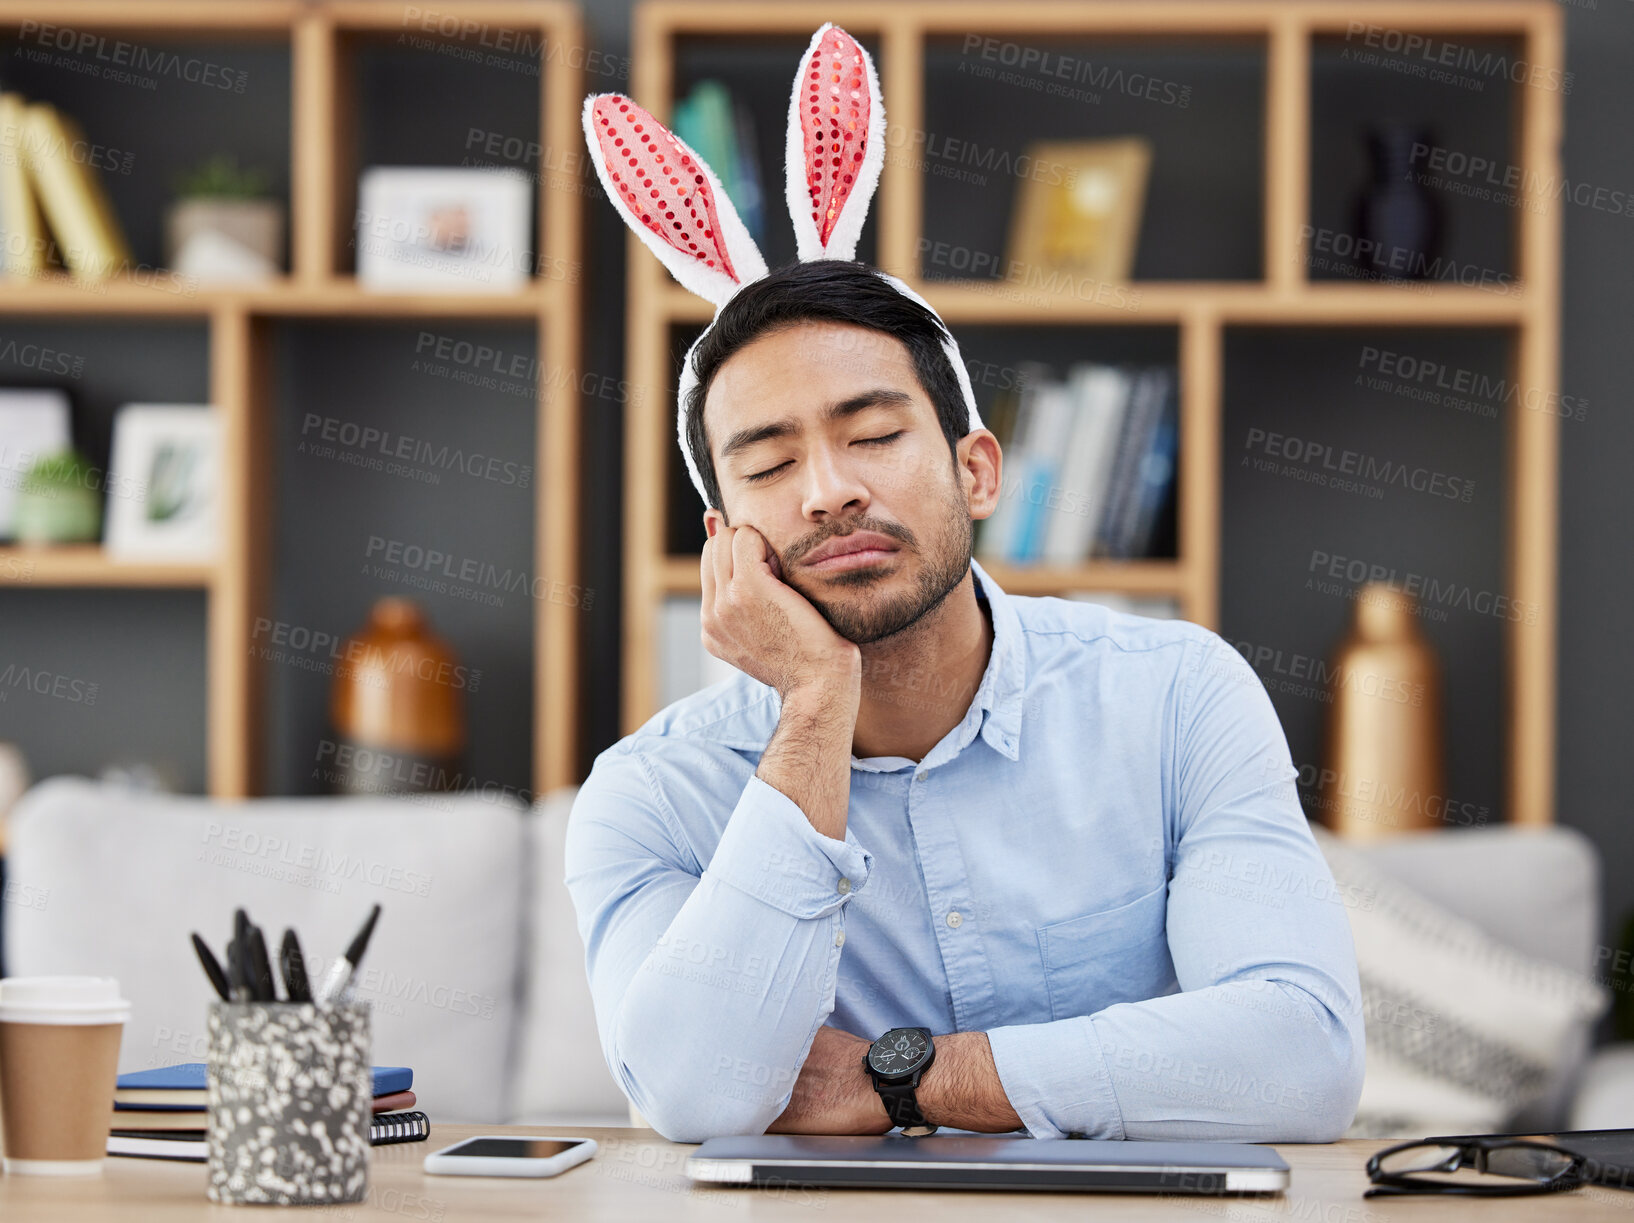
293	965
260	965
212	969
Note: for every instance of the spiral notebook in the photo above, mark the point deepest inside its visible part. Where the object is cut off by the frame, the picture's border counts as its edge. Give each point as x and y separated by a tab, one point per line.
384	1129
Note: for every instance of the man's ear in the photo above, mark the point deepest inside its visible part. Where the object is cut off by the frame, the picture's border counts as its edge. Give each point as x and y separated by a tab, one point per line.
714	520
980	464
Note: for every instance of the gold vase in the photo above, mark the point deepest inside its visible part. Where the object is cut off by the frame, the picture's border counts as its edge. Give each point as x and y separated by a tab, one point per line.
397	705
1384	771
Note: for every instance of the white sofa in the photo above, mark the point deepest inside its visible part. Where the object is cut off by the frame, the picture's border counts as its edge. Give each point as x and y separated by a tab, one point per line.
476	969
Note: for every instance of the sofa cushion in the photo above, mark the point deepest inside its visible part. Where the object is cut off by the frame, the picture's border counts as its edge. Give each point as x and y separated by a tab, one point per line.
1465	1032
121	877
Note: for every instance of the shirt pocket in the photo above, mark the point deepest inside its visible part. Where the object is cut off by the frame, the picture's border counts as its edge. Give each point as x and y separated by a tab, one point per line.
1116	955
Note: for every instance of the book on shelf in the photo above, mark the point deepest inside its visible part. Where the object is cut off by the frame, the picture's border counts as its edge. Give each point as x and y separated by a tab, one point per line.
22	228
1089	465
71	197
997	536
721	130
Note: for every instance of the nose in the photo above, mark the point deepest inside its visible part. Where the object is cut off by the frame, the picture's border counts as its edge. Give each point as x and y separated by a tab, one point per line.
832	485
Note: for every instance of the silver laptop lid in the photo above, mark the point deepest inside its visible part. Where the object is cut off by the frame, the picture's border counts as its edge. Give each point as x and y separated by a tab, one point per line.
1178	1167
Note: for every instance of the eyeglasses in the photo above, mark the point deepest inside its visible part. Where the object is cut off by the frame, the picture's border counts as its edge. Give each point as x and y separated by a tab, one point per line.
1435	1167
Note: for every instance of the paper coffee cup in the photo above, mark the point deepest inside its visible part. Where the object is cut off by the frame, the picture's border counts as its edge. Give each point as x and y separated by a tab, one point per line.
59	1062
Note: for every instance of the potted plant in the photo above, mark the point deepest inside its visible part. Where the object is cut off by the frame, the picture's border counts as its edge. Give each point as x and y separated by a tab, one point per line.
223	226
59	501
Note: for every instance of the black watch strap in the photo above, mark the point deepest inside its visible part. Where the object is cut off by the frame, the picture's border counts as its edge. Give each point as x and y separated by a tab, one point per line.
902	1106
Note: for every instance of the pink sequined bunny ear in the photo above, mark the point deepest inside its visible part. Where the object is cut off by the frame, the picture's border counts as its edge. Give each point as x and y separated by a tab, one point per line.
835	145
670	198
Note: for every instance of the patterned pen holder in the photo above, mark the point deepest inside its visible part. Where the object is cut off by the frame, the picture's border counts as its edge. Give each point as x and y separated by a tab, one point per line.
290	1096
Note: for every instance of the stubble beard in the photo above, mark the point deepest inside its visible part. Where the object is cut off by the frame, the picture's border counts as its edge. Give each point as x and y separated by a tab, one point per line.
865	619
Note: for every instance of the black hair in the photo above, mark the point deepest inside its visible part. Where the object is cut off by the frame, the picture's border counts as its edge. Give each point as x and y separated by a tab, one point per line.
824	290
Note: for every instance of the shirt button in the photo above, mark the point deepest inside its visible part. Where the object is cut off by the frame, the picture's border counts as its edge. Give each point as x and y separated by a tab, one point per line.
954	919
844	886
839	939
919	776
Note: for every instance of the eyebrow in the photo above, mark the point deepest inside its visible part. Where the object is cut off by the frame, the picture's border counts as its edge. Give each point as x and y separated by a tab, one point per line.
787	427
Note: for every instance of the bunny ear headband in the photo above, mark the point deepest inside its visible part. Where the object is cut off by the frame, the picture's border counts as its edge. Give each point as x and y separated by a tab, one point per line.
676	205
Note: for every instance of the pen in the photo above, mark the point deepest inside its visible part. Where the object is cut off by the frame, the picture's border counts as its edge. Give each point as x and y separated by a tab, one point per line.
260	966
340	975
237	989
293	965
218	979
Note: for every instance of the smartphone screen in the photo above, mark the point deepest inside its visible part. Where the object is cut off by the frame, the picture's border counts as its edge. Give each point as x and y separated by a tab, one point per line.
513	1148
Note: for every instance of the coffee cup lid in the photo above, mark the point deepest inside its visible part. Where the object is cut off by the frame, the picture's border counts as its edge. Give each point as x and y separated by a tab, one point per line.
84	1000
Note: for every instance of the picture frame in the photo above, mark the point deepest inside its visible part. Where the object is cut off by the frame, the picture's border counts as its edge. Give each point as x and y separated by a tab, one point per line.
163	483
1084	220
34	422
446	228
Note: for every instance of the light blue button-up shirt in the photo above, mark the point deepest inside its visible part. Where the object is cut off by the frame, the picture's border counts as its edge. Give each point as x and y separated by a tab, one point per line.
1104	866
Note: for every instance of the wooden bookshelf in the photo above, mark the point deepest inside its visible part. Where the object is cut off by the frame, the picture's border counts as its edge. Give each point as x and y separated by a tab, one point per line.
1284	295
321	36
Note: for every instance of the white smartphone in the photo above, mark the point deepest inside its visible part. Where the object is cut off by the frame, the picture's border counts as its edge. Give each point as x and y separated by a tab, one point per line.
510	1155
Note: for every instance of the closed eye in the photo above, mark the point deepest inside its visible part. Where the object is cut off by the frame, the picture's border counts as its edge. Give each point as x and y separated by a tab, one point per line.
861	441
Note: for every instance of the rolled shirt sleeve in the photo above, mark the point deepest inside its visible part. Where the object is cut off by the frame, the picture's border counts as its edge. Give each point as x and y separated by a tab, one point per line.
1265	1040
709	984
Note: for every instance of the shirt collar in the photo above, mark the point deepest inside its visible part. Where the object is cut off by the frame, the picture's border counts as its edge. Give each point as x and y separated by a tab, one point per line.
1004	684
995	710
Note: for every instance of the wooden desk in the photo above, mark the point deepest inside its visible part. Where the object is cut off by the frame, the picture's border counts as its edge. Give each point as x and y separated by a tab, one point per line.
637	1176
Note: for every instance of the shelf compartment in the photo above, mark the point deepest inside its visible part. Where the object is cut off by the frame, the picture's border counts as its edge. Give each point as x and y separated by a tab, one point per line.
437	504
1457	161
1355	447
103	364
409	94
153	103
1199	102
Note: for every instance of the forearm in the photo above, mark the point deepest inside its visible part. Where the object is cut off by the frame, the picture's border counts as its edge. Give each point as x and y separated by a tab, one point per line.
708	989
713	1025
962	1090
1248	1061
835	1094
809	756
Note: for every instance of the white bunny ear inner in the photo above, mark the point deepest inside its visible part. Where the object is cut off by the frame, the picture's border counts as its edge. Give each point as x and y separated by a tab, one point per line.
670	198
835	145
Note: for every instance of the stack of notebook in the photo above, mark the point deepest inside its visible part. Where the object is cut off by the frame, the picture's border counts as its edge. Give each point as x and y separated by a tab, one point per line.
162	1113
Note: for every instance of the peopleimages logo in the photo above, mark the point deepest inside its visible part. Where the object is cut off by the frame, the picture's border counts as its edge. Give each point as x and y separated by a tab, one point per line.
1438	59
1321	457
232	846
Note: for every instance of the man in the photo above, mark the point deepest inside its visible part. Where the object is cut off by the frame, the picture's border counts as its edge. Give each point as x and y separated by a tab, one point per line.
1063	840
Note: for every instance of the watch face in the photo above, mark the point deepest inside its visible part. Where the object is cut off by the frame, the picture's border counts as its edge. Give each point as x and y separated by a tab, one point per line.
898	1051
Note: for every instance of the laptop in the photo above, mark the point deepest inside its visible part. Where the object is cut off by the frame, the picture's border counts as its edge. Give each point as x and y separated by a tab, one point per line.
959	1161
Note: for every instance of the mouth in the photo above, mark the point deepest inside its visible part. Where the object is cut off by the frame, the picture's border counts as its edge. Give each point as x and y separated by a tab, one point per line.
855	551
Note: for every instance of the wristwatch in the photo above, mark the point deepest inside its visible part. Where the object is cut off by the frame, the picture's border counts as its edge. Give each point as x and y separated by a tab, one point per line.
895	1062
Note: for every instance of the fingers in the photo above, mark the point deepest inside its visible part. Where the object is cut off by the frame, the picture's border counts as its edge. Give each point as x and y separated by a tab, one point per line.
748	552
722	555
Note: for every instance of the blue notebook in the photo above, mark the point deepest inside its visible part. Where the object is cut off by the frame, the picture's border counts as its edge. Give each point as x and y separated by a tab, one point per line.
190	1077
